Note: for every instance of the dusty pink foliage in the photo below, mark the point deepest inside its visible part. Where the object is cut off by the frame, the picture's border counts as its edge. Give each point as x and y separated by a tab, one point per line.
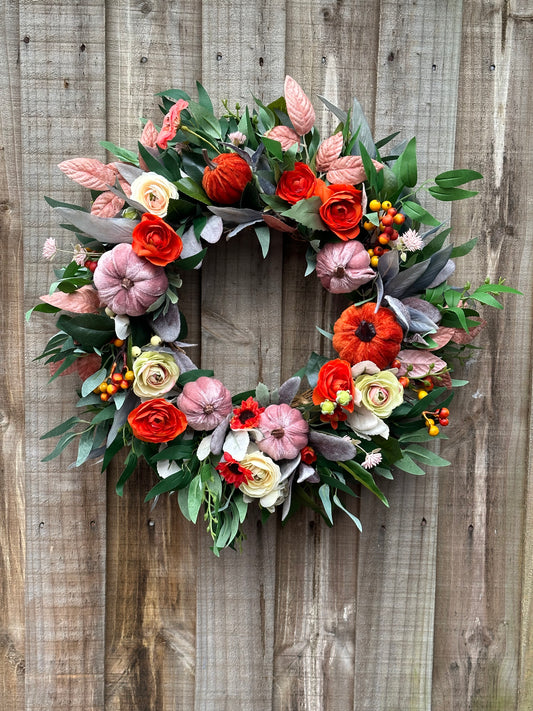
149	135
107	205
328	151
84	366
84	300
89	172
422	363
284	135
299	107
348	169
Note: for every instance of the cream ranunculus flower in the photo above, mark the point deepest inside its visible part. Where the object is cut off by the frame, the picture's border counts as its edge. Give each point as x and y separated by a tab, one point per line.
153	191
380	392
266	484
155	374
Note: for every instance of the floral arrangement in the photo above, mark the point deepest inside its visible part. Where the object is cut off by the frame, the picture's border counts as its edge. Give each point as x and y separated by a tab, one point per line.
354	207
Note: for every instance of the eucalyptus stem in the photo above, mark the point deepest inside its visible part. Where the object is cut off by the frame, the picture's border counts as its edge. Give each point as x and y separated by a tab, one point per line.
193	133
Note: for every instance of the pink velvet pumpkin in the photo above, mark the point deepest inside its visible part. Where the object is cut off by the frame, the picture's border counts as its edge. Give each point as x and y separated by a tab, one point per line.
284	431
206	402
127	283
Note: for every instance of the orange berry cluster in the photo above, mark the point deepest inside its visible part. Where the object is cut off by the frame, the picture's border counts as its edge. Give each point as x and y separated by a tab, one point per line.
442	414
114	383
390	221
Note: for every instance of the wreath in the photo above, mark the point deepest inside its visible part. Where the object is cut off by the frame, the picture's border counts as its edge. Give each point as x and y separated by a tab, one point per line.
335	424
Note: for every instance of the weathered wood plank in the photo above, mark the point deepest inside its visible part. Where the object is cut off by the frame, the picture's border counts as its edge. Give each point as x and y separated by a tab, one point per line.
416	90
482	634
12	531
152	563
243	52
317	567
62	115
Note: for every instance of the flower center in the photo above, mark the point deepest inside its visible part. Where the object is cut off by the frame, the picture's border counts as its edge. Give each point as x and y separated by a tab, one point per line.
365	331
127	283
278	433
246	415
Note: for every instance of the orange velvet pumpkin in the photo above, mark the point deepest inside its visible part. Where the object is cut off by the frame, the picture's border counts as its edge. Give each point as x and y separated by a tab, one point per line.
360	334
225	178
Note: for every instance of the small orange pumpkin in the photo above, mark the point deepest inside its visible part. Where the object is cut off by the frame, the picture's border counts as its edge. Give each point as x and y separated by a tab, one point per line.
225	178
361	333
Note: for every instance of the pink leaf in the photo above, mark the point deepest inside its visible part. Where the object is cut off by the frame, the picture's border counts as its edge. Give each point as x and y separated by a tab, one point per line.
89	172
126	187
328	151
348	169
444	380
84	366
284	135
421	362
149	135
442	337
299	108
107	205
84	300
462	337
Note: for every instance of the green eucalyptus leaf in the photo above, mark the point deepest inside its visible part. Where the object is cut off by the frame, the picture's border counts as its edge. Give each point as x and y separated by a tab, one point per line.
453	178
93	381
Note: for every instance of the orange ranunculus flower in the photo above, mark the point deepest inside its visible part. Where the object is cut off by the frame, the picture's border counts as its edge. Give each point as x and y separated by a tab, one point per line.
156	241
297	184
171	123
361	333
157	421
341	211
334	391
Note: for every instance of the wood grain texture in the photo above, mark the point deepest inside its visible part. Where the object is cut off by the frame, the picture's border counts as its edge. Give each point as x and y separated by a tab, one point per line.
62	115
484	550
12	533
151	561
417	75
243	54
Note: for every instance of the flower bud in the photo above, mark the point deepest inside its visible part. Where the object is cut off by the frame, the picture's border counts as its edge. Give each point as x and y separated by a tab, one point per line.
343	397
327	407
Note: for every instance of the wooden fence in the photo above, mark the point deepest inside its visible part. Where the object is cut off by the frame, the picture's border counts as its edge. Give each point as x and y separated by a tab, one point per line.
108	604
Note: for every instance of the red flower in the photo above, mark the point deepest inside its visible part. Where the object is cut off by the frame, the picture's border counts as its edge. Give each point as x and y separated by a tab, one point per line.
334	391
230	470
247	415
171	123
308	455
341	210
157	421
296	184
156	241
361	333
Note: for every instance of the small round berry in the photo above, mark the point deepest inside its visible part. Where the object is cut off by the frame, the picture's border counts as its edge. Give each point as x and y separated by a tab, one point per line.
104	397
399	219
118	342
433	431
389	231
393	236
102	387
429	422
421	394
111	389
129	376
392	211
370	252
386	220
374	261
369	226
109	312
444	412
444	421
378	250
396	363
155	341
404	381
374	205
124	385
386	204
136	351
383	239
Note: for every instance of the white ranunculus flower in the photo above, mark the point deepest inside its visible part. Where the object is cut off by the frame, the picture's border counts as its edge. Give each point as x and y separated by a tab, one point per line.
366	424
154	192
155	374
266	484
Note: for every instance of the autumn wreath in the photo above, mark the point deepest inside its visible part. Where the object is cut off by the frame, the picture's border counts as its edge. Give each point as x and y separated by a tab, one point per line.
356	209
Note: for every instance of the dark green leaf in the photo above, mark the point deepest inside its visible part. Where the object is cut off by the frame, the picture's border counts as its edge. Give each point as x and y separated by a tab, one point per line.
193	190
448	194
418	213
60	429
453	178
93	330
365	478
405	166
174	482
129	468
193	261
192	375
203	98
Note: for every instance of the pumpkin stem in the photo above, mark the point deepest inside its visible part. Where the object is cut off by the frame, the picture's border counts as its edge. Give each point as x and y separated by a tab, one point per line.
208	160
278	433
365	331
339	272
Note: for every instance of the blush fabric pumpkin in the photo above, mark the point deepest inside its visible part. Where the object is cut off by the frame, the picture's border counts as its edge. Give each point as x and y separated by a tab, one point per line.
284	432
361	333
225	178
127	283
